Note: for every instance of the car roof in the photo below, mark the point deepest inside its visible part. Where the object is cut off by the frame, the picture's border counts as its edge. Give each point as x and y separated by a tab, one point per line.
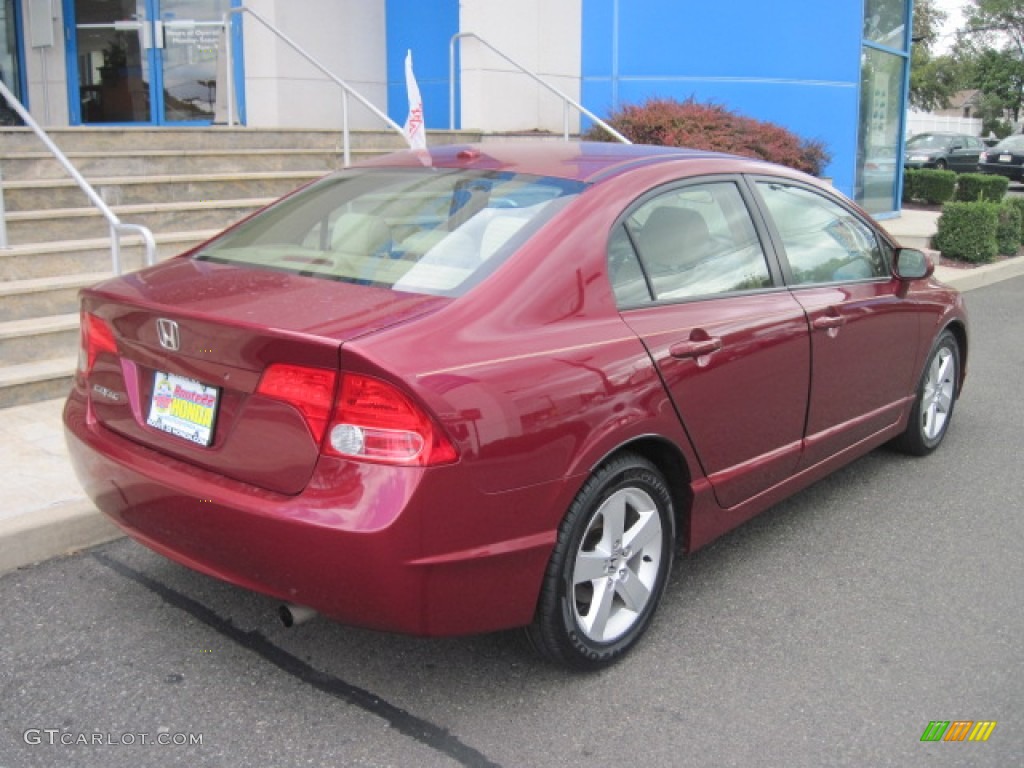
580	161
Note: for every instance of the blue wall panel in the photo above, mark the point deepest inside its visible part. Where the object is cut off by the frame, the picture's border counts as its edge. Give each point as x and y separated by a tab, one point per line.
426	29
796	63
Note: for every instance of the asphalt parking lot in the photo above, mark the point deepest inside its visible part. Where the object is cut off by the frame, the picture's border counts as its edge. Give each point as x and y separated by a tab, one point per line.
830	631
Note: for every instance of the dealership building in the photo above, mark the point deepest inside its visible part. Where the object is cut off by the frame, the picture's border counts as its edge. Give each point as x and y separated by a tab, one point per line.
835	71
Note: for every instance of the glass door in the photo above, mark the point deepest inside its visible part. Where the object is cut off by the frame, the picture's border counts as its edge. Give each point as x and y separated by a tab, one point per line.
188	37
112	42
146	61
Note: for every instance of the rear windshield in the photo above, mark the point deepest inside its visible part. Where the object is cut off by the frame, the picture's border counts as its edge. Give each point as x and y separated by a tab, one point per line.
434	231
1012	142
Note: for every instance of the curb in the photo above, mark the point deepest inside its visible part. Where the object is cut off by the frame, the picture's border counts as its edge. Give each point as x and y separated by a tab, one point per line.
52	532
979	277
74	525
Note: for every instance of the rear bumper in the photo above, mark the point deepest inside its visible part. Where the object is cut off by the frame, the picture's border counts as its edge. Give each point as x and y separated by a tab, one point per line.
406	550
1013	172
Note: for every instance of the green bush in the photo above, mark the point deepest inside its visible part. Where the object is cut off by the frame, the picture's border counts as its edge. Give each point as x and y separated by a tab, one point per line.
910	176
1018	203
1008	233
981	186
968	231
710	126
933	186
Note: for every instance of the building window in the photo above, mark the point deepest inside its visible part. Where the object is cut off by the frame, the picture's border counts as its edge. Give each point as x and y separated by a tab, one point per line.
885	22
884	62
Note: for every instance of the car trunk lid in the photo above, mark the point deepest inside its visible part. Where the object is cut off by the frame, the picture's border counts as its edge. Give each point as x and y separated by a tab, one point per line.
193	340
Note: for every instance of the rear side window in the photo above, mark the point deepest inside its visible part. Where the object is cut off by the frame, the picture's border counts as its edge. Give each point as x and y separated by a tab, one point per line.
692	242
824	242
434	231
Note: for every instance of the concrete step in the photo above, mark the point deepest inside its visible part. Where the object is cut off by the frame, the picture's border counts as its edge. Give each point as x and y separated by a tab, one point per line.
123	139
32	382
77	223
37	260
45	296
112	139
28	166
49	194
38	338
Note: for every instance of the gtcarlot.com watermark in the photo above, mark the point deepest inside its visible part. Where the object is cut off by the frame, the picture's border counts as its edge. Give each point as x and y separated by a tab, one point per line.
163	737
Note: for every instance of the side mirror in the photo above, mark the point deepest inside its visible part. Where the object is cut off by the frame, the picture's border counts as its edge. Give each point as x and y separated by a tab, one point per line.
912	264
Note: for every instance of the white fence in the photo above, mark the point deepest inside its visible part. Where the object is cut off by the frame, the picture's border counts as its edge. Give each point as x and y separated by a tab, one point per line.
922	122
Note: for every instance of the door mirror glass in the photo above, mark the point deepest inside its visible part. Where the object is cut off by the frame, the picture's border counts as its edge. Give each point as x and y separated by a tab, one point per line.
912	264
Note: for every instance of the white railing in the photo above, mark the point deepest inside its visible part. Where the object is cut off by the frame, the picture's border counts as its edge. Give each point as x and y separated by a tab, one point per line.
346	89
117	227
567	100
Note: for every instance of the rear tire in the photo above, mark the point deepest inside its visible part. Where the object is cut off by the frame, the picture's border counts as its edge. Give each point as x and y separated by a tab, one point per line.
609	567
936	397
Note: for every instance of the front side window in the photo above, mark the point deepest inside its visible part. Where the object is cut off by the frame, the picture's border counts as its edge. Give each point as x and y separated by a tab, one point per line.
692	241
434	231
823	241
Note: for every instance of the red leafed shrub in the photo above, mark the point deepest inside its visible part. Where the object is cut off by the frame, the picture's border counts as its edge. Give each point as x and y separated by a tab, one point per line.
710	126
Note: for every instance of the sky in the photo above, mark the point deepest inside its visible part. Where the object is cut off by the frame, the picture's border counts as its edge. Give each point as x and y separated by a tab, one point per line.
953	9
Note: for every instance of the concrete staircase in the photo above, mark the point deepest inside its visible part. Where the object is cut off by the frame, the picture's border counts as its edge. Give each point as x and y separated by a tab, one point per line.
184	184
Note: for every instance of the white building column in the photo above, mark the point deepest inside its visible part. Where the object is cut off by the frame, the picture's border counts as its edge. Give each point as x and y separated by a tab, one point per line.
543	36
283	90
45	67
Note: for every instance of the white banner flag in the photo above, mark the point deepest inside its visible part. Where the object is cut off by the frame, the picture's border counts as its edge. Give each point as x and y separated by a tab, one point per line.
414	130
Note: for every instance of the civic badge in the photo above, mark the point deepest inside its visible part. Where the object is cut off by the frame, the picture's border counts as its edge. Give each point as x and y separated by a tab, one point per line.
167	332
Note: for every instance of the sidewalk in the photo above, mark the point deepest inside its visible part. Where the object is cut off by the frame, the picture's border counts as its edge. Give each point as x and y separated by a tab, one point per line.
45	513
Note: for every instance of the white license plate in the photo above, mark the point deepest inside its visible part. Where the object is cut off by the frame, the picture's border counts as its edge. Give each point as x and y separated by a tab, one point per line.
183	407
1006	158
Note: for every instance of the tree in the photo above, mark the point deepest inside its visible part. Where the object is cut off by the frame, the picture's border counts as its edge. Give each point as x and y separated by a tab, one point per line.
933	79
1000	76
990	21
928	21
991	52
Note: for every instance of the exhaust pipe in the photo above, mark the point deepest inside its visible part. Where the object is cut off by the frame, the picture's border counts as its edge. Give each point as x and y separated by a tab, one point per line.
292	615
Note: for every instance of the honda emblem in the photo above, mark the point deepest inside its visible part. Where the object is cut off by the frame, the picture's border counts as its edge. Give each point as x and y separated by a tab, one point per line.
167	332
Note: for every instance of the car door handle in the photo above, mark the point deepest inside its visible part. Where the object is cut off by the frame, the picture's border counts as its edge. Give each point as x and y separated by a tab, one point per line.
825	322
684	349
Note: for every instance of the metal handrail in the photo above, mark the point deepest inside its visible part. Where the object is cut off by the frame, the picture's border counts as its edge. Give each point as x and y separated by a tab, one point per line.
117	227
346	89
567	100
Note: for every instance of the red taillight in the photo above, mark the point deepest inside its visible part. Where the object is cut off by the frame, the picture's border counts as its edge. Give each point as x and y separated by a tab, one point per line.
311	390
373	420
97	337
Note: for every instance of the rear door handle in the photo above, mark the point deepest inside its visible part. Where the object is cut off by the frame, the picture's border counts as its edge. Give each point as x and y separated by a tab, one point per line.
825	322
684	349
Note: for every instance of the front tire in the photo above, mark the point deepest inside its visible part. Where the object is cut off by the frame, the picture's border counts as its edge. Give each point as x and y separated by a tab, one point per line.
936	396
609	567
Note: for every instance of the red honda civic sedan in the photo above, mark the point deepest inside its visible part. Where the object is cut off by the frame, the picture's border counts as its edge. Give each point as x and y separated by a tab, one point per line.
502	385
